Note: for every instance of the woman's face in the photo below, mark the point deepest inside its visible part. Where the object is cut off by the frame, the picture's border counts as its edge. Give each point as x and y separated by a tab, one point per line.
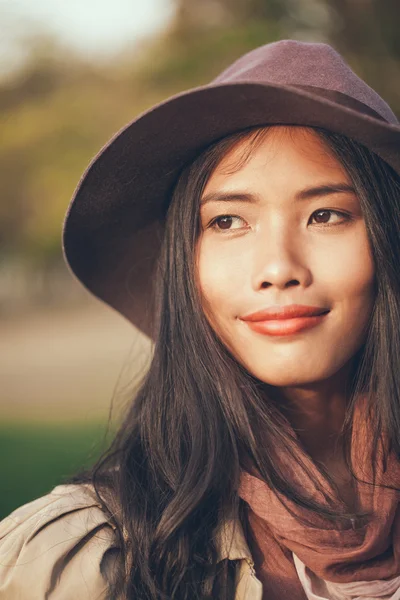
285	228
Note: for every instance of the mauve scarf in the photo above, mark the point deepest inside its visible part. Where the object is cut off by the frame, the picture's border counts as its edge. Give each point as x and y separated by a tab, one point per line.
368	551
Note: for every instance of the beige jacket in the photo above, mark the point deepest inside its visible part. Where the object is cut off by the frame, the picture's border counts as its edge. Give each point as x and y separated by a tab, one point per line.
58	548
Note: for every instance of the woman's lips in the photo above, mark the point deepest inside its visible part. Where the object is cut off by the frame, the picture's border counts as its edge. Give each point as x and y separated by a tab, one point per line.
285	320
285	326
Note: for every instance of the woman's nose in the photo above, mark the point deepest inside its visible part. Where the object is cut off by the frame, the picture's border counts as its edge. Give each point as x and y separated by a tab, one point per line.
280	262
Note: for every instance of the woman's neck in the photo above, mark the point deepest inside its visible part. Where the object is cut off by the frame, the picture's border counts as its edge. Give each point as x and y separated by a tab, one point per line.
316	412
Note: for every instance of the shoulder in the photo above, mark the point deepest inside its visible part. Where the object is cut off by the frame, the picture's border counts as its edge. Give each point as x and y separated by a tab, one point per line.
59	546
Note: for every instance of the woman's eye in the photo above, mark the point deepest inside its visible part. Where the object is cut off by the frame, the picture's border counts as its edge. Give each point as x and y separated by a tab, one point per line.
324	215
225	222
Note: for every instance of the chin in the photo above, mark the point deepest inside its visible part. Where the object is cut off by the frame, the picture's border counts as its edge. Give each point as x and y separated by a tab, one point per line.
290	378
288	381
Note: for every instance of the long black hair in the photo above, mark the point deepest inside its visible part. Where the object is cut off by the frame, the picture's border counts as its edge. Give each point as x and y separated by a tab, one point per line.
172	472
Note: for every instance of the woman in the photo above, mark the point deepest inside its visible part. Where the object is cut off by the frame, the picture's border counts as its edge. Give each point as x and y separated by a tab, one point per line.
251	228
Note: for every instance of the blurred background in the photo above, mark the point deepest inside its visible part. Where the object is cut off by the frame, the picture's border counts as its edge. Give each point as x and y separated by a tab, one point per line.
71	74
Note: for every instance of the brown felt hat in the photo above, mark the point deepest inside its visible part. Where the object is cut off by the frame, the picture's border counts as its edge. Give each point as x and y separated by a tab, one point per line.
114	225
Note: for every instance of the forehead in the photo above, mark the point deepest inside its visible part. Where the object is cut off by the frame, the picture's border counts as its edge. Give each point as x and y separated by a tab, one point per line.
279	152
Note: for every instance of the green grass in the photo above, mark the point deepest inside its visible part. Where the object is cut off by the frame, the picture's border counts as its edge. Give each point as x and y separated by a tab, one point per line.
36	457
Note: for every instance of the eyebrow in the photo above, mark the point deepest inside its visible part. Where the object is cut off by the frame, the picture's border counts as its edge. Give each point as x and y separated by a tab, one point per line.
306	194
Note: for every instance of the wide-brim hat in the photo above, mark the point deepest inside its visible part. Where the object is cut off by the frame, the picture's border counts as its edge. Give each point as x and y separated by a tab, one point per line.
113	228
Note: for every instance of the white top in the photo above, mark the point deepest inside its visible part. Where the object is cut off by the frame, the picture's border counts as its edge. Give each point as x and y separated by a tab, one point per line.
316	588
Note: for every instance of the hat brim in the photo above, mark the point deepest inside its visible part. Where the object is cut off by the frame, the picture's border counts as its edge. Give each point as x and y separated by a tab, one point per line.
114	224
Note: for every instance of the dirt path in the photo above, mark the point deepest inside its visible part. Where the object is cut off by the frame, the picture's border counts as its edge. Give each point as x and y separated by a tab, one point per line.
67	364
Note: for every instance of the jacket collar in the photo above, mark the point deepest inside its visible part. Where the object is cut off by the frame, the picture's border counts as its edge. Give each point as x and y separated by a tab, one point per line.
230	541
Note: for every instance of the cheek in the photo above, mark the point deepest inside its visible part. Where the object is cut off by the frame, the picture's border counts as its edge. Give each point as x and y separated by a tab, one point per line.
348	275
222	274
